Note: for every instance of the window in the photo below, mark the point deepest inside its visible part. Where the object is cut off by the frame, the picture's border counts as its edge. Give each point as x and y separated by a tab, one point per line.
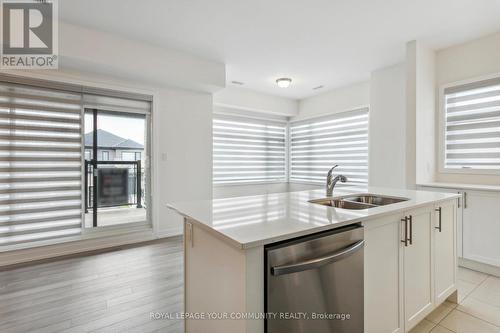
318	144
43	198
40	164
472	126
128	156
137	156
105	155
248	150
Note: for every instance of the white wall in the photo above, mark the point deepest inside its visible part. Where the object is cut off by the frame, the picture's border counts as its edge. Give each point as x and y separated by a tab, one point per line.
182	125
184	162
388	136
337	100
241	101
137	62
420	113
470	60
421	97
182	119
248	100
404	106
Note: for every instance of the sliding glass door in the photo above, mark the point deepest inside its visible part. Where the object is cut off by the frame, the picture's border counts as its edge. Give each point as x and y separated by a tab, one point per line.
116	172
71	157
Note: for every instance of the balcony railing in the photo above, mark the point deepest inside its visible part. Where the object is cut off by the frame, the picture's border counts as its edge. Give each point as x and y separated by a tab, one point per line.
119	183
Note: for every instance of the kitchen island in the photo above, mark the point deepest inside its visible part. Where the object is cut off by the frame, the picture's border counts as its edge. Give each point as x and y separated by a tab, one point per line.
409	254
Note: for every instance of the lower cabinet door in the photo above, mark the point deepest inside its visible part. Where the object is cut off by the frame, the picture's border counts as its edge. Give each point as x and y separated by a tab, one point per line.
481	227
383	276
445	248
418	271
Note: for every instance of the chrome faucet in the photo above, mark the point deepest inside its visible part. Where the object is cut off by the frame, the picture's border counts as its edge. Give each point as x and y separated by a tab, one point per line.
331	181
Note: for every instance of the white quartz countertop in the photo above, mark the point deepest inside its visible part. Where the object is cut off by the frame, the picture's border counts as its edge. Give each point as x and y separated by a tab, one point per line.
257	220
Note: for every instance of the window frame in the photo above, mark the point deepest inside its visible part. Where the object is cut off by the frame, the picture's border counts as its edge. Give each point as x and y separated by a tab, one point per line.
47	81
257	118
442	129
107	155
124	152
288	145
317	117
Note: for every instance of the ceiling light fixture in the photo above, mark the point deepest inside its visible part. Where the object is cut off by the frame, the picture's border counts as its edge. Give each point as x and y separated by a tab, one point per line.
284	82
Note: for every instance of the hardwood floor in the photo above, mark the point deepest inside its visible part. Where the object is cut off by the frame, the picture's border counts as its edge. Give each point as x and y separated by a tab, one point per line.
115	291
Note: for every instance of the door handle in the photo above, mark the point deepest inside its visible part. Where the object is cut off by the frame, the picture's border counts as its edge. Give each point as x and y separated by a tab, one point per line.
318	262
439	210
405	241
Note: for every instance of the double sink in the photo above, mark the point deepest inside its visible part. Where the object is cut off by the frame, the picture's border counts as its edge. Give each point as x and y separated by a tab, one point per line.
358	201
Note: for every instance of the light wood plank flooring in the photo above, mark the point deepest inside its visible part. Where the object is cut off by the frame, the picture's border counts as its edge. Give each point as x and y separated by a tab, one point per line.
115	291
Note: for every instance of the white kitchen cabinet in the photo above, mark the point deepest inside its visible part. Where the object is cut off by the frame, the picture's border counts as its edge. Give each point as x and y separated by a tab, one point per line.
417	227
445	267
481	227
383	276
404	283
459	220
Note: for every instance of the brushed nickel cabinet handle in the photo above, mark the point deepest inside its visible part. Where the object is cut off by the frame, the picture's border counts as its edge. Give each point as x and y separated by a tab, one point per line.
405	241
439	227
411	230
190	232
465	200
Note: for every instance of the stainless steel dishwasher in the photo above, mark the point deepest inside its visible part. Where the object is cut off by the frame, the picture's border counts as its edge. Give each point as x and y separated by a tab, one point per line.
315	283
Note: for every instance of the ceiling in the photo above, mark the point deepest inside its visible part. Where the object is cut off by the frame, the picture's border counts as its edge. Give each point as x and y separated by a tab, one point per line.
315	42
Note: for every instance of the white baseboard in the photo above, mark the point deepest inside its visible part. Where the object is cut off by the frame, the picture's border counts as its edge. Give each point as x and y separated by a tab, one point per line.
480	267
171	232
67	248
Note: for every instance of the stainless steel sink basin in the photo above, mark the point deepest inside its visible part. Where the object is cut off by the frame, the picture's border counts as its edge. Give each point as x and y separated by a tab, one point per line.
340	203
376	200
356	202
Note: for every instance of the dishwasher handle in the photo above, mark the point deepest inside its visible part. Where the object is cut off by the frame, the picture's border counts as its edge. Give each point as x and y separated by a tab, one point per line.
318	262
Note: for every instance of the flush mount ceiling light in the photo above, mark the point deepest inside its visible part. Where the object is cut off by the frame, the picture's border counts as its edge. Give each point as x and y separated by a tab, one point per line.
284	82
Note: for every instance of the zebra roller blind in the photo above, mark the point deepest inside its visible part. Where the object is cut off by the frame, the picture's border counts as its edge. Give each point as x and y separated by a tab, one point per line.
472	126
318	144
40	163
248	150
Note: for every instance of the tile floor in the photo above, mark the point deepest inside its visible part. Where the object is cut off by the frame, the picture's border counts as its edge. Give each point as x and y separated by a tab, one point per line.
478	310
